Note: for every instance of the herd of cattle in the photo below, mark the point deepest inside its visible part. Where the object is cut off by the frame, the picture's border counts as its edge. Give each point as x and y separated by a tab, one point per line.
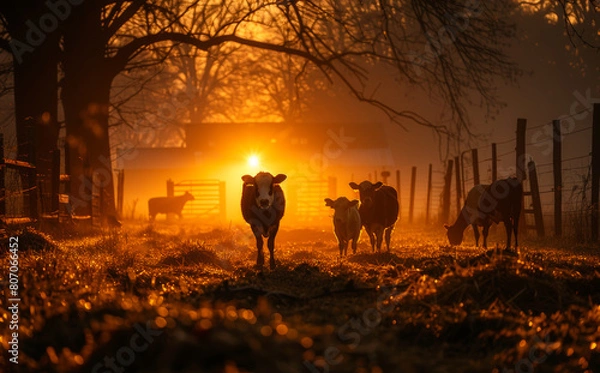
263	206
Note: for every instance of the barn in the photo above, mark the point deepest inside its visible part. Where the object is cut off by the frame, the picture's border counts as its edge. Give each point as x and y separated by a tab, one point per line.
320	159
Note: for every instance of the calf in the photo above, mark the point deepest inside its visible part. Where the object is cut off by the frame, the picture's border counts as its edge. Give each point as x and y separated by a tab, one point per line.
263	205
500	201
346	222
166	205
378	211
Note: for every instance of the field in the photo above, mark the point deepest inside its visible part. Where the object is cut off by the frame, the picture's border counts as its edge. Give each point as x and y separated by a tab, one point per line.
177	298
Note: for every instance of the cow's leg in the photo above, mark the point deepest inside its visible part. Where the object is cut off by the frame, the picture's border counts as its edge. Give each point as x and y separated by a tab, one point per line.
379	234
485	231
508	227
260	259
354	245
371	238
388	236
476	234
271	245
341	246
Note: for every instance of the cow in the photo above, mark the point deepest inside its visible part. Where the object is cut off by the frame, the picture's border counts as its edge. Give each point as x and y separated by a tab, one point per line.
469	215
346	222
263	205
166	205
378	211
486	204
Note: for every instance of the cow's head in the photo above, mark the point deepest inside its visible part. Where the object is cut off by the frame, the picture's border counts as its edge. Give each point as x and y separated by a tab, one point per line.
455	234
188	196
366	190
341	206
264	182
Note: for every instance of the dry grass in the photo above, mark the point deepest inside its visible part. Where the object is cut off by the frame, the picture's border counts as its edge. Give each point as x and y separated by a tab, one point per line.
423	306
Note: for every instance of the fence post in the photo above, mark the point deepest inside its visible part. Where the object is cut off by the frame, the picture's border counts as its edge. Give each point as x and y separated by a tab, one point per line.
595	170
557	171
2	176
446	197
384	176
475	160
520	149
458	187
428	203
55	181
535	197
170	188
494	162
411	204
399	195
120	191
32	176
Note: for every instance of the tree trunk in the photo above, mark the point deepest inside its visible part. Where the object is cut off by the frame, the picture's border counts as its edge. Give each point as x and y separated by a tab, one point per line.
35	62
86	94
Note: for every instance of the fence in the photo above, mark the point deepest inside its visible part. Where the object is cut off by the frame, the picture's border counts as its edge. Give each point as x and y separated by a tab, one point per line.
209	198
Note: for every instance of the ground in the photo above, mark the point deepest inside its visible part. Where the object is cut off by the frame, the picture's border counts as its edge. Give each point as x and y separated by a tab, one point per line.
179	298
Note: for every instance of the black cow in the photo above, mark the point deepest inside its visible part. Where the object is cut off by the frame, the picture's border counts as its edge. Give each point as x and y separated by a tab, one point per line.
378	211
263	205
166	205
499	202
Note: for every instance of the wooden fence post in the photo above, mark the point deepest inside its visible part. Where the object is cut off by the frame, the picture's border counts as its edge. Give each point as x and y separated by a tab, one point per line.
120	191
494	162
458	187
595	170
475	160
170	188
520	149
55	181
557	171
32	175
428	202
411	204
536	201
445	215
399	195
2	178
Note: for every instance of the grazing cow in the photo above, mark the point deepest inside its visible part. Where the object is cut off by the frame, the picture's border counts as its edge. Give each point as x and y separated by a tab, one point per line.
378	211
166	205
500	201
263	205
469	215
346	222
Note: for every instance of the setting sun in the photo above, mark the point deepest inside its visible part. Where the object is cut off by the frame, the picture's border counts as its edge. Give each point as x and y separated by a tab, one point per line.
253	161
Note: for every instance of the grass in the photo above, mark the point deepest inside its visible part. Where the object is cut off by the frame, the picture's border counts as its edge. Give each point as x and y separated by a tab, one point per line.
202	306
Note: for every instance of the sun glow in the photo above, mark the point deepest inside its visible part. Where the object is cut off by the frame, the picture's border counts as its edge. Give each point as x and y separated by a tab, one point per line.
253	161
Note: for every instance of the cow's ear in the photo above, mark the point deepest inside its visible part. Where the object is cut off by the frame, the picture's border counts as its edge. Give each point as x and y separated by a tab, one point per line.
248	179
353	185
377	185
279	178
446	226
329	202
354	202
